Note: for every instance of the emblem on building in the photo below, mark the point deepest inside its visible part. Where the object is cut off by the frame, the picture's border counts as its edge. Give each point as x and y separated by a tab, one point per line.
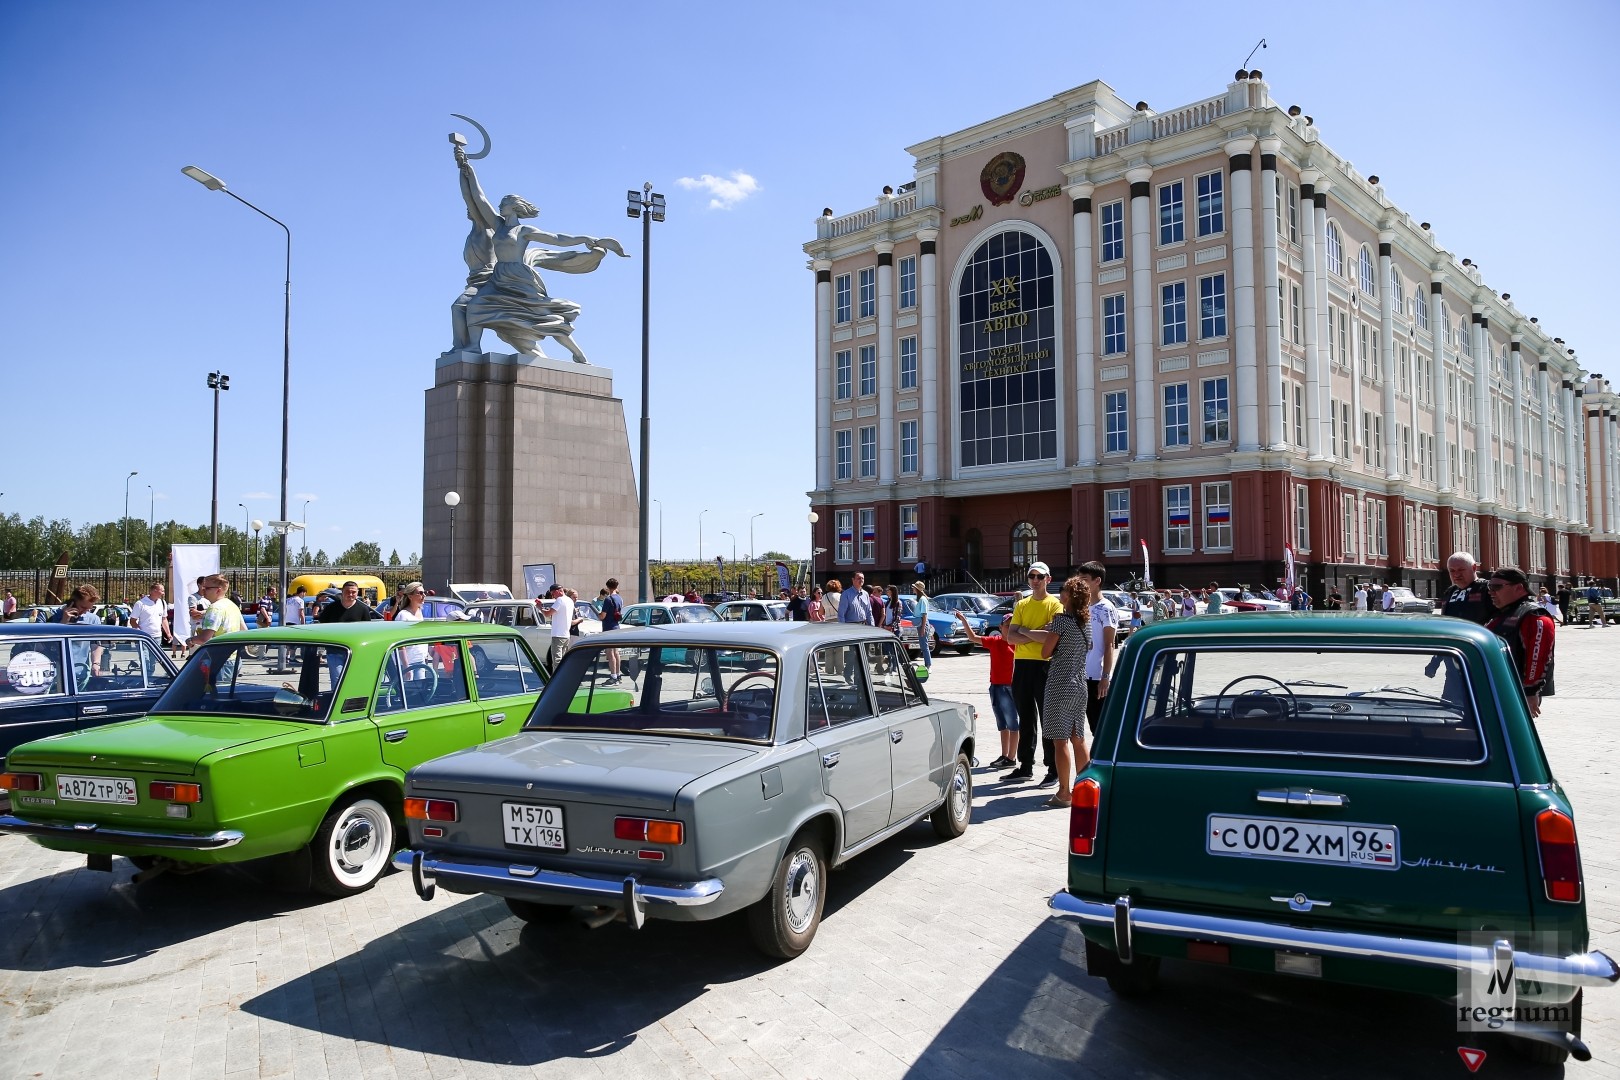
1002	178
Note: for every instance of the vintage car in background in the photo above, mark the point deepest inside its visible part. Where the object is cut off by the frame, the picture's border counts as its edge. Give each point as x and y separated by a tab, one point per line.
237	762
751	759
56	679
752	610
945	630
1331	796
1244	598
1408	602
470	592
668	613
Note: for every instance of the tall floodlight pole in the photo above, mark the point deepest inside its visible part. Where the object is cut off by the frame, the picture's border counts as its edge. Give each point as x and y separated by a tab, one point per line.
728	532
753	552
647	205
214	183
813	517
244	529
151	523
133	473
217	381
254	593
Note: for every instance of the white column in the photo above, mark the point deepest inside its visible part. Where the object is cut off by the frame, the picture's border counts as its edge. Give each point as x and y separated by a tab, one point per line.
1482	405
1572	421
824	374
1595	485
1521	444
885	360
1248	380
928	350
1313	243
1442	402
1322	401
1544	399
1578	462
1084	268
1243	305
1145	435
1386	347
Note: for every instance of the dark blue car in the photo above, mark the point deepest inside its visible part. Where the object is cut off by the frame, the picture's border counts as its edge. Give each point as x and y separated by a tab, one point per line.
56	678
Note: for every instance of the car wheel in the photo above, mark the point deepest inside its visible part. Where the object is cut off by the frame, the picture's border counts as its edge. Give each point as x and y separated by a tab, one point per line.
965	650
1137	979
784	922
1543	1053
950	819
531	912
352	847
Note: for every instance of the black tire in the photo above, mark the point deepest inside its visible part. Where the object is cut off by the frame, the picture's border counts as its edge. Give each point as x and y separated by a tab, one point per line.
950	819
964	650
531	912
1541	1053
352	848
1137	979
784	921
143	862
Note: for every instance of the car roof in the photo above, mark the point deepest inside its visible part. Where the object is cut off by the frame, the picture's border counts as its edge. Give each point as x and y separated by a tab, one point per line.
379	631
770	635
1321	626
35	629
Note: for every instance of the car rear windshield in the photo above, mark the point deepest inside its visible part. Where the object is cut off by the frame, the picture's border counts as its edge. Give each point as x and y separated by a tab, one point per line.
286	682
1413	704
701	691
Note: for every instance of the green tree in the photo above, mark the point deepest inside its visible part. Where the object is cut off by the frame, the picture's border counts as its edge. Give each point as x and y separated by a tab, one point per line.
361	553
319	558
772	556
393	557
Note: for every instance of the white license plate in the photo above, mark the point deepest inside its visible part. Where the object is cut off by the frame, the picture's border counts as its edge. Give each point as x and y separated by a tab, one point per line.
102	789
528	825
1373	847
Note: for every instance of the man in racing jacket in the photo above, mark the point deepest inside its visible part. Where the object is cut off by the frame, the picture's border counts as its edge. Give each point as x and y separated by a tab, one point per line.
1528	629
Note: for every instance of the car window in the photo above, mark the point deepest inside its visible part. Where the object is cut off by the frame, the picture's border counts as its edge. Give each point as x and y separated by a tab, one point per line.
660	617
525	616
694	613
1411	704
734	613
31	669
887	674
501	668
837	688
700	691
226	678
636	617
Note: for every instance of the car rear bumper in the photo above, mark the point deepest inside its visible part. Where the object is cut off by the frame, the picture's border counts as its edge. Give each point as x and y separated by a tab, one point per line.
630	893
91	832
1581	969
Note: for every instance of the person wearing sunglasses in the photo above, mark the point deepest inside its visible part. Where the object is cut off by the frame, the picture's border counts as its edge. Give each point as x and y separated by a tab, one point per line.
1528	628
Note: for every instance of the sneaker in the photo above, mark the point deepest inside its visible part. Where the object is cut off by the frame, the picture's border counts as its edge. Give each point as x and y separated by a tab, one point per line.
1018	774
1002	762
1050	779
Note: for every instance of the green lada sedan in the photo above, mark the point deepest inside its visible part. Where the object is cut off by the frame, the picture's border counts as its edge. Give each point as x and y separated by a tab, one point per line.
289	741
1346	797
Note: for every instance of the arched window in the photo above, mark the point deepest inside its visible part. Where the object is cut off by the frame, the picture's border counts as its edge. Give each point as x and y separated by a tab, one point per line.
1369	279
1335	250
1397	289
1023	545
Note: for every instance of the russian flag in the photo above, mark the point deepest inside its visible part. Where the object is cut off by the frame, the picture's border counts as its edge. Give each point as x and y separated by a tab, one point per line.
869	532
1219	515
909	532
1180	518
846	534
1119	521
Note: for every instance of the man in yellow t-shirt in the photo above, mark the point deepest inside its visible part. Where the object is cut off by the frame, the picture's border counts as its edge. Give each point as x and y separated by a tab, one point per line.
221	617
1033	612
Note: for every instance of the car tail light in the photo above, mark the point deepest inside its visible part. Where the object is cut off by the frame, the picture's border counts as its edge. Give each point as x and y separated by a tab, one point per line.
21	781
1083	817
648	830
160	791
432	810
1209	952
1560	856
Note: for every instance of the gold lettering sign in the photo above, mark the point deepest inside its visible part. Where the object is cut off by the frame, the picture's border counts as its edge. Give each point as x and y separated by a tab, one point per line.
972	215
1029	198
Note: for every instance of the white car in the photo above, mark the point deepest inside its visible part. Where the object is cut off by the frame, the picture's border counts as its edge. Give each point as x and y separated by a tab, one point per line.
665	614
1234	599
752	611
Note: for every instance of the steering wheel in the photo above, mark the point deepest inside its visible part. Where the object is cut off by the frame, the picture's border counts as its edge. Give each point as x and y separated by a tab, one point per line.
768	676
433	674
1261	694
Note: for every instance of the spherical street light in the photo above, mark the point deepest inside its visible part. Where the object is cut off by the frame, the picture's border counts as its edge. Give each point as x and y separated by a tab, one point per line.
452	500
812	517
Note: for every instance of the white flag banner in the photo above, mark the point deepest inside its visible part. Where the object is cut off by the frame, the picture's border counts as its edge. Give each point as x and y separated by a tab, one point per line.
1147	577
1288	573
187	563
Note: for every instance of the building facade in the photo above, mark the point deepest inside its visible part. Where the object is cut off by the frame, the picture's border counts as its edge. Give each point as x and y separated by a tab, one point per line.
1091	330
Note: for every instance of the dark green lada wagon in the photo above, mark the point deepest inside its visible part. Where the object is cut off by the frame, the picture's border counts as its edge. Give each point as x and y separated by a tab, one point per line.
1359	798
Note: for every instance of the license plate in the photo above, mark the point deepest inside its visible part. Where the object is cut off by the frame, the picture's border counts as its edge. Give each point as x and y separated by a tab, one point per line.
528	825
1373	847
102	789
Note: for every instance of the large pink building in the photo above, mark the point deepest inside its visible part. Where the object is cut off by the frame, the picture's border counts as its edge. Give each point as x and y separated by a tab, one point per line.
1086	326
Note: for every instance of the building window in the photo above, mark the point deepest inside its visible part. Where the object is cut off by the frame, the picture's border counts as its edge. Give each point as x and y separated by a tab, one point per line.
1368	277
908	446
1296	311
1217	422
1006	326
868	534
1344	340
1173	313
1212	306
1113	324
1349	429
868	291
1431	536
1117	515
1351	529
1403	377
1299	415
1111	223
841	300
1302	518
1420	308
1211	204
846	535
1117	422
1372	440
842	454
868	370
1335	250
1178	518
1409	532
1465	338
1397	289
868	452
1293	214
908	363
908	282
1172	224
1177	431
1023	545
1217	516
842	386
908	533
1377	529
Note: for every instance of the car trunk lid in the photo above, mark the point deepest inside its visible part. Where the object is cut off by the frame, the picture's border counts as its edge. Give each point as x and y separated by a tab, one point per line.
166	744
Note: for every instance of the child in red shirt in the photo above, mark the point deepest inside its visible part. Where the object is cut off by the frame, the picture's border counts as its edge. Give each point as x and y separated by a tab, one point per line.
1001	695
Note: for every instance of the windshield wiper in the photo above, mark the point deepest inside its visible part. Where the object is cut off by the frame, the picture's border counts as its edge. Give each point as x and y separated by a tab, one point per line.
1400	690
1313	682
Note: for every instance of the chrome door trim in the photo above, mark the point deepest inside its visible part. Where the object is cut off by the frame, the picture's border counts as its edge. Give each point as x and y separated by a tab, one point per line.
1193	767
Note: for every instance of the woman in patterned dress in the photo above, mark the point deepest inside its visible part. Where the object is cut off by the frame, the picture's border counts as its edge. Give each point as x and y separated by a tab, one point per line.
1063	712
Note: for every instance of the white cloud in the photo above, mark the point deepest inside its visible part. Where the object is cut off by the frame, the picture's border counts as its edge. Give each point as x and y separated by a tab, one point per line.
258	495
307	495
726	193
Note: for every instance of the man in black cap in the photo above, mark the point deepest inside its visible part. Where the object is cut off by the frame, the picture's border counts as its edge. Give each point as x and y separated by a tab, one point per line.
1528	628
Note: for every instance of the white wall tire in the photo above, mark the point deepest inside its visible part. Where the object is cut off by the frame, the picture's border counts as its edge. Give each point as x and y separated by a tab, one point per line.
352	848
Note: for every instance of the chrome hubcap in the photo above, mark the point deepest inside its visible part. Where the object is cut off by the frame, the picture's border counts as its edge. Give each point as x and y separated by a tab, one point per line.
959	793
357	842
800	890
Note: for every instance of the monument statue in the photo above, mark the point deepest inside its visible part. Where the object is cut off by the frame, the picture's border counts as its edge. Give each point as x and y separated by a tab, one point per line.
504	291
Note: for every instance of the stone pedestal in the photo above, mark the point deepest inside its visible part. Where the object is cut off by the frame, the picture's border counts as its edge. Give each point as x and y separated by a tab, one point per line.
539	453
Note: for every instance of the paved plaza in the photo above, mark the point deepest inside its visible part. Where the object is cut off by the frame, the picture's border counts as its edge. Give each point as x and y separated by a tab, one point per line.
935	959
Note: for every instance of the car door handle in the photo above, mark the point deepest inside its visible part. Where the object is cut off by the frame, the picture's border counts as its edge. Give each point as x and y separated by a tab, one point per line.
830	759
496	717
1301	797
896	736
93	710
397	735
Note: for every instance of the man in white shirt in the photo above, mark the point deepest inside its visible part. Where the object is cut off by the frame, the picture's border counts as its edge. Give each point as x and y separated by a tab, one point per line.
1100	658
292	612
1389	599
562	618
149	612
1360	599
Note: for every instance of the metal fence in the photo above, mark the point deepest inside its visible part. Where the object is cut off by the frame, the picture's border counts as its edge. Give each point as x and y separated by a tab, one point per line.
117	586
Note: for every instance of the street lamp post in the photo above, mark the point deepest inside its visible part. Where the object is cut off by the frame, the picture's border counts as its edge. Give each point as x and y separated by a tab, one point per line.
652	203
753	552
217	381
254	593
151	524
133	473
813	517
214	183
452	500
728	532
700	534
303	558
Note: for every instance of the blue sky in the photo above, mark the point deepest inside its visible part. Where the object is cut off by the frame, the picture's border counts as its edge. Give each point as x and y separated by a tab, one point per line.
122	283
